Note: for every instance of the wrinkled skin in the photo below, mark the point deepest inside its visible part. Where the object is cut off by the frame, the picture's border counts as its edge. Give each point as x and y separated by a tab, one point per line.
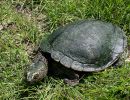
37	70
43	64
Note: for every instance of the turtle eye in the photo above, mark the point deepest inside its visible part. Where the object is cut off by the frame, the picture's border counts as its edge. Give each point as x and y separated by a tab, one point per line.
35	76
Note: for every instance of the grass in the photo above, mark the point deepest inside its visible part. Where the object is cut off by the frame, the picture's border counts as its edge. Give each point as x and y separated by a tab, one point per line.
22	33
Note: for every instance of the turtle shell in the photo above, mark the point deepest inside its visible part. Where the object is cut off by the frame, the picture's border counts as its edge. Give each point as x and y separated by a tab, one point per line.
86	45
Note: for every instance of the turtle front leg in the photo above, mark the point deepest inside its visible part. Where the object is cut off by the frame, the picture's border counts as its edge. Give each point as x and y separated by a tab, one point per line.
72	78
38	69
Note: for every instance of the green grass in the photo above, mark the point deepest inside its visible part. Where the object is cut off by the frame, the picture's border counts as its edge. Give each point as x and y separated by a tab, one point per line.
22	34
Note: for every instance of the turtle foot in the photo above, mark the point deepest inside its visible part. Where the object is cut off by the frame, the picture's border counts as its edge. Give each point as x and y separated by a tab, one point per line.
71	82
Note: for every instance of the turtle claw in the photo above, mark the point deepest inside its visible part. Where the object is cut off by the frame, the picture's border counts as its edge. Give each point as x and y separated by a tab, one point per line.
71	82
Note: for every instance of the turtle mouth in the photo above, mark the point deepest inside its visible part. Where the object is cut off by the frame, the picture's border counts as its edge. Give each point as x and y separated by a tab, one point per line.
32	78
36	77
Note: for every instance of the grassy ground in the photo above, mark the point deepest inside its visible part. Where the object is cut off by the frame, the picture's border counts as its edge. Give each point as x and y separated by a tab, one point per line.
22	25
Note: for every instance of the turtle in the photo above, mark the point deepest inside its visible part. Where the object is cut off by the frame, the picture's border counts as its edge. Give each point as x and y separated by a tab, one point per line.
78	47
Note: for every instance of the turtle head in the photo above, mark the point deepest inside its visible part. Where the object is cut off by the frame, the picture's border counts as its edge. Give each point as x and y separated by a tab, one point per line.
36	72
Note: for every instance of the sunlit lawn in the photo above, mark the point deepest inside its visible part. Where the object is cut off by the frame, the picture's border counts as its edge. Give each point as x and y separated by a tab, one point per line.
26	22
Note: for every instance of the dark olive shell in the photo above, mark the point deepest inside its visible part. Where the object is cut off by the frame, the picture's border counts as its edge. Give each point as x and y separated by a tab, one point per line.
87	45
